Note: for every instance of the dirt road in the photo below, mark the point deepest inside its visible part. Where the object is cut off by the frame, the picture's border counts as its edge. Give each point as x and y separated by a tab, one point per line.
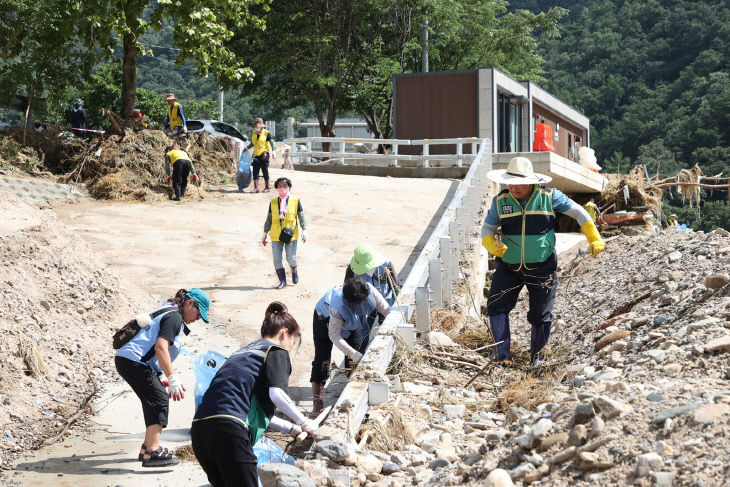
214	243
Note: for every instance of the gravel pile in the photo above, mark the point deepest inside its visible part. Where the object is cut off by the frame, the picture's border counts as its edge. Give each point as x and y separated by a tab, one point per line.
636	389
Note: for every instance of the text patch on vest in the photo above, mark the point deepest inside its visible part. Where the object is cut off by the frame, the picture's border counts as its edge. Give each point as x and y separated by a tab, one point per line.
506	209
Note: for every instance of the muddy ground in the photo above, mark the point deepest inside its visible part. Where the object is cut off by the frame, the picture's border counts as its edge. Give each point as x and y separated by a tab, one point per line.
214	243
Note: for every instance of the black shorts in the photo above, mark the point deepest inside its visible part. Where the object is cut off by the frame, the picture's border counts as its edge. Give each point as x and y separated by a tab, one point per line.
224	450
145	383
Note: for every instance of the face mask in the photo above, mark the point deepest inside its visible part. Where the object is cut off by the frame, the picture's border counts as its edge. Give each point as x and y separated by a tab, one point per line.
283	192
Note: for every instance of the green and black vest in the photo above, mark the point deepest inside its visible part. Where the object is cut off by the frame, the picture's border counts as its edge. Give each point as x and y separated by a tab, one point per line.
529	231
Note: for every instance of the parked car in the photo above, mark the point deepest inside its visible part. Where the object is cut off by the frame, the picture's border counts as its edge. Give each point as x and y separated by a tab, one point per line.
217	129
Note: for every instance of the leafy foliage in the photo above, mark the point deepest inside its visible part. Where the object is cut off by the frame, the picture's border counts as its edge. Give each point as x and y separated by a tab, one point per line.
653	78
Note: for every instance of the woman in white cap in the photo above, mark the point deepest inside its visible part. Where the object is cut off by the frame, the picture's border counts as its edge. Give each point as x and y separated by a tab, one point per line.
526	253
373	268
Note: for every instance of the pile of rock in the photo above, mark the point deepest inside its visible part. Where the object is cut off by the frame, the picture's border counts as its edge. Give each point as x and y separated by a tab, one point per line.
58	309
640	371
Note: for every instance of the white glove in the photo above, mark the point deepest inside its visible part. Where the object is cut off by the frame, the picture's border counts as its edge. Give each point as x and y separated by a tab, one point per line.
175	389
295	430
304	236
309	426
355	358
185	130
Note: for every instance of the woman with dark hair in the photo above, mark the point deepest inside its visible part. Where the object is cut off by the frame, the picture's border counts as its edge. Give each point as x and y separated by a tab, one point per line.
241	401
281	223
339	318
150	353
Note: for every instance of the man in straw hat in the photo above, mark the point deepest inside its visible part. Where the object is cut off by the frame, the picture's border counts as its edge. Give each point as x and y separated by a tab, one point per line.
526	253
175	122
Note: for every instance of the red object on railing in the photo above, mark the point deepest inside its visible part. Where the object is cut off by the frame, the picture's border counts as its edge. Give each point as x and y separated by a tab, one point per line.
543	138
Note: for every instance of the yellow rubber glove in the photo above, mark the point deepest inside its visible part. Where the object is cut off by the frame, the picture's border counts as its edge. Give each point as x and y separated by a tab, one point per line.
594	238
490	243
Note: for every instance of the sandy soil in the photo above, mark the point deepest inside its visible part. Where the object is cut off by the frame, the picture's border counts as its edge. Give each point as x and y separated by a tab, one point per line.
214	243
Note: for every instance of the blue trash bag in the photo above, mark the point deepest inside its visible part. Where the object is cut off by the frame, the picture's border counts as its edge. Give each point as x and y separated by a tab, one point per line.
267	451
243	174
205	366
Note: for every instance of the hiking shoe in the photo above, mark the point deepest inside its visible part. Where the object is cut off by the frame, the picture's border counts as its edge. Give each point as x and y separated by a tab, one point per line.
162	457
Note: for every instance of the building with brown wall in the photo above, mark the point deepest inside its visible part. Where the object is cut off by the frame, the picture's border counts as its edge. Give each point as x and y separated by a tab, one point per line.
484	103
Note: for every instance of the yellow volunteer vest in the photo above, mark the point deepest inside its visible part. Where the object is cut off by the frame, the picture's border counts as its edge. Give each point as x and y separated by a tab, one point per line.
177	154
260	144
290	220
174	114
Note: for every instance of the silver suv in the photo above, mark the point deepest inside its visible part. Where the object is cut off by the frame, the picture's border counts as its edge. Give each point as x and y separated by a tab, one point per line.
217	129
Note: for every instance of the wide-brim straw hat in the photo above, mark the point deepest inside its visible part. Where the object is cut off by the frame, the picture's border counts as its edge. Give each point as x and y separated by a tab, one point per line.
519	171
365	258
170	96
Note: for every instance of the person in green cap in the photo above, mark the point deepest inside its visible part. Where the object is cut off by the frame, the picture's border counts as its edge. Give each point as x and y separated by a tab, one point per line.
150	353
374	268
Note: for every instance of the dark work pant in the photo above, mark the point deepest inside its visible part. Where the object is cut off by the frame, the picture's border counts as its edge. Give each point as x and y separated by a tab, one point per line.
259	164
224	450
507	282
180	173
323	348
150	391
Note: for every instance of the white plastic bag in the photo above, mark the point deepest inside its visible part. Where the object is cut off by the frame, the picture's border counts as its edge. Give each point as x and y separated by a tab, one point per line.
587	158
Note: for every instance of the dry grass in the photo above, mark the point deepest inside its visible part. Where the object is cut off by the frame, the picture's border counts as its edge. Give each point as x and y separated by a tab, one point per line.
690	194
185	453
32	358
527	393
386	430
444	320
474	336
406	360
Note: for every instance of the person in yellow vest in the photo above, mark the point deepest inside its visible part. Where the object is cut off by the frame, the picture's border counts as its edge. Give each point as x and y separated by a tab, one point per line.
139	116
182	166
526	254
263	148
672	222
175	123
284	217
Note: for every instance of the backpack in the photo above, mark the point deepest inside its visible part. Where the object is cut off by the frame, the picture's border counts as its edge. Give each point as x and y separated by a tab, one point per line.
128	331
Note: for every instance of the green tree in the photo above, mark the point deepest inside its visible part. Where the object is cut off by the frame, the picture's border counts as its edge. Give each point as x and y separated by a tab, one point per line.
202	29
463	34
39	54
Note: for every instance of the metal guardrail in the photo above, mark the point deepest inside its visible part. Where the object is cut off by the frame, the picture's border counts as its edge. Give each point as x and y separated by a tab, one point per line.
430	279
394	156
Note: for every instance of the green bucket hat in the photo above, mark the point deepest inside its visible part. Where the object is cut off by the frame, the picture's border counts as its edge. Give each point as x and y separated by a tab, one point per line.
364	259
202	300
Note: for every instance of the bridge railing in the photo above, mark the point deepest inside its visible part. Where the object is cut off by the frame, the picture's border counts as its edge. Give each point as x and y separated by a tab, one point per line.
343	150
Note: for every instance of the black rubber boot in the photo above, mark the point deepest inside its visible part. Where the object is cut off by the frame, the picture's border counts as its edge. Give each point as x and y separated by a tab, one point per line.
282	278
294	275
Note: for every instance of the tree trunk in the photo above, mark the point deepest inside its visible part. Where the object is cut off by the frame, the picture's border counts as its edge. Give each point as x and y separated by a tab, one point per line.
27	113
129	75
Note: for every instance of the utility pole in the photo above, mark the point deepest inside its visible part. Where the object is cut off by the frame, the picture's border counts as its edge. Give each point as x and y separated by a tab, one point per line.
220	103
424	52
